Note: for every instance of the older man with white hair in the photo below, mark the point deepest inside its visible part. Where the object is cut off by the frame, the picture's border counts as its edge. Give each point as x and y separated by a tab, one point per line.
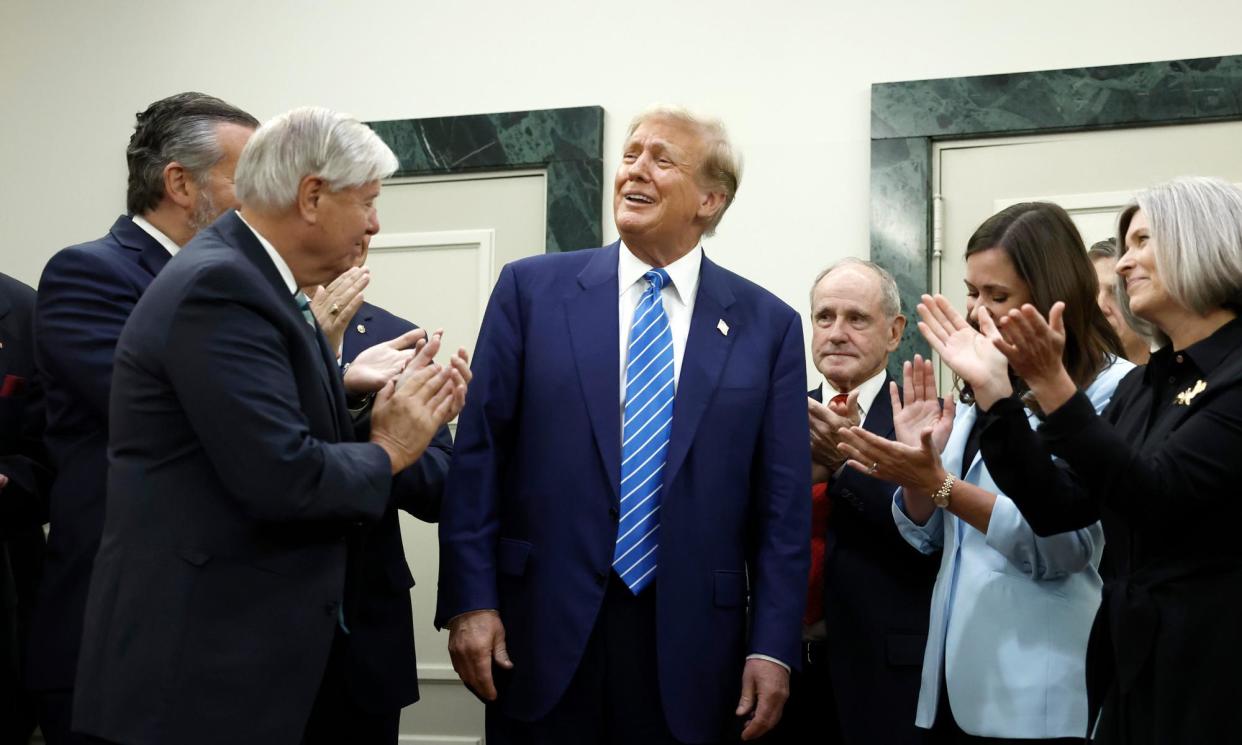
240	489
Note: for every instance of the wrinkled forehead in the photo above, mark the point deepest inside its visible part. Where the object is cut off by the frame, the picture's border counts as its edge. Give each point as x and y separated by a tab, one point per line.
666	133
849	288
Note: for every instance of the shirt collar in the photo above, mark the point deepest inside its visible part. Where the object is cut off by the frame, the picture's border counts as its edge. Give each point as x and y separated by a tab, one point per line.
870	388
1210	352
285	272
168	243
683	274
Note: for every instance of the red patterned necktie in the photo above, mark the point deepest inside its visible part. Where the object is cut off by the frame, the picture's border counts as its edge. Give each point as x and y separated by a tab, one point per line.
820	507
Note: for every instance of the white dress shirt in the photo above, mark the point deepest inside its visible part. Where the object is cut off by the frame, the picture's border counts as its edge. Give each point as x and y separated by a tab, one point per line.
168	243
285	272
870	388
678	298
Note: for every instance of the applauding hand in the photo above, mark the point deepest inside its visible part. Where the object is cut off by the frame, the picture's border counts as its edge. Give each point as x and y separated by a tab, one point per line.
971	354
1035	350
921	409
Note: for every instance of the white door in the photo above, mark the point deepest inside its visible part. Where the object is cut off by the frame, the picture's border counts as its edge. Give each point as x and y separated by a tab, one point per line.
441	245
1091	174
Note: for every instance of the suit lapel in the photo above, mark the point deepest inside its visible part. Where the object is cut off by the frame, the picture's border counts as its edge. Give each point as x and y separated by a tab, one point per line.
707	348
237	233
592	314
880	417
152	256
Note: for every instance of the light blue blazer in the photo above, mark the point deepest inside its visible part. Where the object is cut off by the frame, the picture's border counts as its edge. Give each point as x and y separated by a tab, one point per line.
1010	612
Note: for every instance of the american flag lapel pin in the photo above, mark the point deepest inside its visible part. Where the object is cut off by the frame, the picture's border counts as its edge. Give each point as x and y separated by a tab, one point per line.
723	327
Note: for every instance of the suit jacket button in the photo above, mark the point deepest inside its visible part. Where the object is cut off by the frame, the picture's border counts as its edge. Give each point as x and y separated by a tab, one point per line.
329	609
601	578
613	513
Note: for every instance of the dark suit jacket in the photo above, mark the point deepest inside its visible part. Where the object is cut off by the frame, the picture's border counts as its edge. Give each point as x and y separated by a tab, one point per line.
85	295
531	507
877	595
381	672
234	489
23	502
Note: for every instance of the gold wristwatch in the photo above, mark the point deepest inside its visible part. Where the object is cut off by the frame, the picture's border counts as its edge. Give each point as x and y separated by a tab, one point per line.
941	497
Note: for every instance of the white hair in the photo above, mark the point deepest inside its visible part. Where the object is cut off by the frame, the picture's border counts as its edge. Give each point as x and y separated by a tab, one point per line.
1196	224
721	168
890	297
309	141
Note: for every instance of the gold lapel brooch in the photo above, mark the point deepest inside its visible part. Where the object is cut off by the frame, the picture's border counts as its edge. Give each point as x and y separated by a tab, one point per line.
1185	397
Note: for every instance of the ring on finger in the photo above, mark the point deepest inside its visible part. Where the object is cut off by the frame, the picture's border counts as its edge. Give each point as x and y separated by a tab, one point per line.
335	309
874	466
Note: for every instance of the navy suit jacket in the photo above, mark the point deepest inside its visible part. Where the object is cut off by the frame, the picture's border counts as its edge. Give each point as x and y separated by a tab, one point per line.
531	507
877	598
23	502
380	667
235	492
86	294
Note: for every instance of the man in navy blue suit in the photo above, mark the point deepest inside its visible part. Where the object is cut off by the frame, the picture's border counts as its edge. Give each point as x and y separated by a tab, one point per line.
624	533
869	593
232	598
181	158
377	656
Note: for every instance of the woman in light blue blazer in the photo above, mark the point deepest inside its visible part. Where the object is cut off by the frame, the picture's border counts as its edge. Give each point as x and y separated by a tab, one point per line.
1011	611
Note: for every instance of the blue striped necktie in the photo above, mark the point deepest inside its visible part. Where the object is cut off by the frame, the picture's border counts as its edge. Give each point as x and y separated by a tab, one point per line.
644	437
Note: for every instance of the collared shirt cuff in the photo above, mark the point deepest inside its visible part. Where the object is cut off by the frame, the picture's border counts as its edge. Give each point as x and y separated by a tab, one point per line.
769	659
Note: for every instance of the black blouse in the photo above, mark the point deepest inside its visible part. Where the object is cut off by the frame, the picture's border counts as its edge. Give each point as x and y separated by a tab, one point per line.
1162	467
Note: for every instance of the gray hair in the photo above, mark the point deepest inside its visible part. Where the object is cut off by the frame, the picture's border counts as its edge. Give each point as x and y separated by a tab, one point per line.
1196	224
309	141
182	129
721	169
890	298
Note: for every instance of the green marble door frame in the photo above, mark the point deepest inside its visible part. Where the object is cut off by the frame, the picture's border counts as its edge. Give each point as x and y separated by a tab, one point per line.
568	144
908	117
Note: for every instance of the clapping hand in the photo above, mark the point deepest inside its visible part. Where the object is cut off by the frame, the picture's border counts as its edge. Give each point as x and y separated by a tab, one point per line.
334	306
825	421
1035	348
971	353
921	409
375	366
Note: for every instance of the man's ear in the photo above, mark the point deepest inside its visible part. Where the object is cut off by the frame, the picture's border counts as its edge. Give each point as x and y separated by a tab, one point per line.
710	205
179	185
310	195
896	328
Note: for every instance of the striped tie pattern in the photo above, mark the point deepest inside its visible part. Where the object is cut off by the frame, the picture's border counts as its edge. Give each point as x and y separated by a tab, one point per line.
645	435
304	306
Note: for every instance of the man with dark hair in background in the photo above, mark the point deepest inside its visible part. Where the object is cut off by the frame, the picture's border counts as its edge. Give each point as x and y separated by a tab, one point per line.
181	158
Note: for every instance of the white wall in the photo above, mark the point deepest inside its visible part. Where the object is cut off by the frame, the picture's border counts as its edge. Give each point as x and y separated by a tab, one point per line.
791	79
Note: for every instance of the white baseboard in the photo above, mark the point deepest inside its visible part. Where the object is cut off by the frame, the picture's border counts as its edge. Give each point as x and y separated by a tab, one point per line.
439	740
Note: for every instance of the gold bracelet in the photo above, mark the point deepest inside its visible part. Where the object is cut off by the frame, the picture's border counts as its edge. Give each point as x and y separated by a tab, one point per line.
941	497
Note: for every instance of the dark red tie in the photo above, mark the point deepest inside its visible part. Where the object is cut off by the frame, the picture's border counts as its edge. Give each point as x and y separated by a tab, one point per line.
820	507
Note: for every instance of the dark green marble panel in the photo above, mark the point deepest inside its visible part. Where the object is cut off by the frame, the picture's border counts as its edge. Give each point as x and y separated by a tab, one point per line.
568	144
906	117
1142	94
900	228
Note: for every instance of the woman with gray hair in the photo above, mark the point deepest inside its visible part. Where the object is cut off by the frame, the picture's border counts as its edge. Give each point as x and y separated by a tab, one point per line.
1160	466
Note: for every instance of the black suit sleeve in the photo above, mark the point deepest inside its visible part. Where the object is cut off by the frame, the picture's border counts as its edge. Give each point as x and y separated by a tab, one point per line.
1051	497
418	489
231	369
870	497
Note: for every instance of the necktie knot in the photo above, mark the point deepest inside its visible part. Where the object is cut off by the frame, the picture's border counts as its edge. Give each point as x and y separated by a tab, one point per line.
658	278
